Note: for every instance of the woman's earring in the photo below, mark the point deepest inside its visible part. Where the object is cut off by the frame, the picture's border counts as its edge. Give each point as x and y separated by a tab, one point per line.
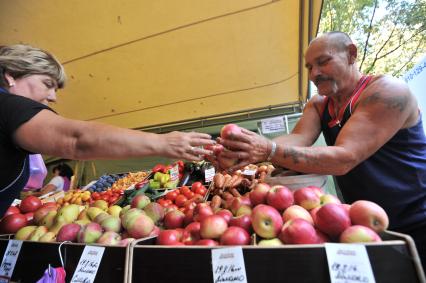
11	84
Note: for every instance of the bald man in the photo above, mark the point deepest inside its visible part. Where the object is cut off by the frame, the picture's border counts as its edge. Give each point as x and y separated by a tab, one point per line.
376	145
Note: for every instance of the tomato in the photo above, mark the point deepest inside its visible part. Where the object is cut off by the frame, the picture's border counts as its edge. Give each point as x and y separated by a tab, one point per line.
180	200
172	195
184	189
161	202
105	197
113	199
201	190
95	195
189	194
196	185
168	202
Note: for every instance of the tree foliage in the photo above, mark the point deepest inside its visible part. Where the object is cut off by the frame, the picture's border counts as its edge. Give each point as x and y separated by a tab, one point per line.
390	35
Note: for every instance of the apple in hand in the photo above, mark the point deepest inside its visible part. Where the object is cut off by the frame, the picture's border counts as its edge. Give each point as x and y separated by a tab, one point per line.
332	219
259	193
229	131
235	236
280	197
296	211
359	234
266	221
306	198
370	214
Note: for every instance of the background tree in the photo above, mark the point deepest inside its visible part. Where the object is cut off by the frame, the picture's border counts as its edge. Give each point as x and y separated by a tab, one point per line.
391	35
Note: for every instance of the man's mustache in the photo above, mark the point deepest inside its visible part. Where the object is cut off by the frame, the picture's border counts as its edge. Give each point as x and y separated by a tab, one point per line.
320	78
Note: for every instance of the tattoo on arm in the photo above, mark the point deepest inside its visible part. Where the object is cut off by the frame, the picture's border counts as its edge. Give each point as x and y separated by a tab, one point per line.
399	102
300	155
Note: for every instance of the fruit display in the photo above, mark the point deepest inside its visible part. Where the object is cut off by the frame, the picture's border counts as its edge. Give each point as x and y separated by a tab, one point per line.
117	181
77	196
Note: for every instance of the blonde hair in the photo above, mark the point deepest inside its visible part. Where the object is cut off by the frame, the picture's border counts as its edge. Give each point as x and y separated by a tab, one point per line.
23	60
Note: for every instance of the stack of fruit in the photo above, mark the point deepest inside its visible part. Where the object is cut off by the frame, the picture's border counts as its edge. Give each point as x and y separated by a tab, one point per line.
184	198
277	216
77	196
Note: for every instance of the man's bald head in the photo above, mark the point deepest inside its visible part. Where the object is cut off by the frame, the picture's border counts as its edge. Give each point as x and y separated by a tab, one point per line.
337	39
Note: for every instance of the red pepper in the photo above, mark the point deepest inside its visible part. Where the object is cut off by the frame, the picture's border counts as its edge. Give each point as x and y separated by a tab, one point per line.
158	168
166	169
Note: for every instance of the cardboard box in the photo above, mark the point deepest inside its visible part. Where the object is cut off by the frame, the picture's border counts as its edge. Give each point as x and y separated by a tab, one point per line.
35	257
395	260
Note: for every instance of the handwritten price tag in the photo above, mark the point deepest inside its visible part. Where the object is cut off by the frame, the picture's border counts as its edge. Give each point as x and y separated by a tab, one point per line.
9	260
88	265
209	174
174	173
273	125
228	265
348	263
249	172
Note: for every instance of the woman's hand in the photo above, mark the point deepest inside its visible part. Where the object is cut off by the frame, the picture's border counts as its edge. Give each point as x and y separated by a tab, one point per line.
188	146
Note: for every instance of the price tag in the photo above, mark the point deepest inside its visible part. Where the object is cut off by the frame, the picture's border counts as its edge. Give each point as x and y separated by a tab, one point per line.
16	202
209	174
174	173
88	265
249	172
273	125
348	263
9	260
228	265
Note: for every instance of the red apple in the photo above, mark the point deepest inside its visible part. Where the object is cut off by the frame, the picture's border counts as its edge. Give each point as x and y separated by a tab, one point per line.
169	237
68	232
174	219
313	213
332	219
369	214
212	227
189	217
229	131
30	204
237	202
328	198
359	234
12	223
140	201
42	212
201	211
191	233
266	221
243	221
322	238
259	193
225	213
207	242
280	197
298	231
140	226
235	236
296	211
154	232
30	218
317	190
306	198
347	207
11	210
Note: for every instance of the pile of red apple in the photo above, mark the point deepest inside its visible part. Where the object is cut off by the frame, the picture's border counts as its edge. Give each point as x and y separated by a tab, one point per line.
21	215
277	216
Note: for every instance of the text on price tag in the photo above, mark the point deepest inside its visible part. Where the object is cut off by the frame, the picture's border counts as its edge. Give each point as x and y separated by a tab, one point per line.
348	263
88	265
273	125
228	265
9	259
209	174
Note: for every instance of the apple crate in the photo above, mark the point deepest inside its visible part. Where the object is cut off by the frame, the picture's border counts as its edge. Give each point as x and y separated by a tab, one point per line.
394	260
35	257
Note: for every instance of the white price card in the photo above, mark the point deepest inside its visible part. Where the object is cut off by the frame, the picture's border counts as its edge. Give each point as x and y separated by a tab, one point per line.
16	202
228	265
9	260
348	263
88	265
174	173
249	172
273	125
209	174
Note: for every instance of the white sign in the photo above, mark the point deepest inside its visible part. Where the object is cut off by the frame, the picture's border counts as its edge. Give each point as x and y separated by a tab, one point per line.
174	173
249	172
348	263
88	265
416	80
9	259
16	202
273	125
228	265
209	174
